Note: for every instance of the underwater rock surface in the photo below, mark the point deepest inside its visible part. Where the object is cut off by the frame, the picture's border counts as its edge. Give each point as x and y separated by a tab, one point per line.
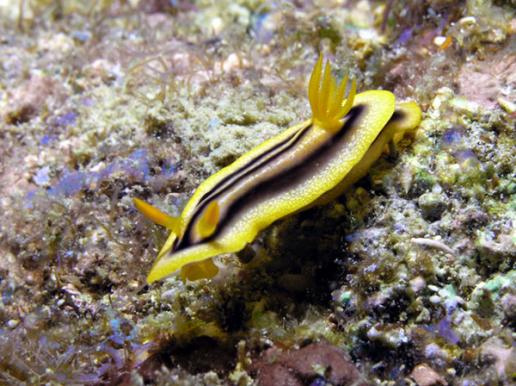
408	278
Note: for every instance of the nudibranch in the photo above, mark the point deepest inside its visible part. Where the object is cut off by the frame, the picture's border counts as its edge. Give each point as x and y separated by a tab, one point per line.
308	164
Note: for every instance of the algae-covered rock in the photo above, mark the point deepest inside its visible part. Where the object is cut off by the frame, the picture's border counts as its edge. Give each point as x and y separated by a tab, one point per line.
432	205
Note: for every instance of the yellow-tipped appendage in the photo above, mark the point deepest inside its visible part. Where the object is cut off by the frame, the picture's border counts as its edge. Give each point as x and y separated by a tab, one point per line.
157	216
174	224
194	271
326	98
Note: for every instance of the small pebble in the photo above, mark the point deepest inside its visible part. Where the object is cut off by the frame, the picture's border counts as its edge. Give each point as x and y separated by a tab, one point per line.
467	21
432	205
12	323
417	284
507	105
424	375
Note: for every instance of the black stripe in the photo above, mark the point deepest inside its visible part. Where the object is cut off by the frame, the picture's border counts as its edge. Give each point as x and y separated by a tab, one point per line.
244	172
289	177
398	115
208	196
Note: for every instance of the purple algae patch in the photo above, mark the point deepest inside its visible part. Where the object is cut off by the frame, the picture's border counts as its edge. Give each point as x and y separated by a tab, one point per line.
29	199
88	102
404	37
69	184
66	119
318	382
466	155
135	167
62	120
444	329
42	177
47	139
452	138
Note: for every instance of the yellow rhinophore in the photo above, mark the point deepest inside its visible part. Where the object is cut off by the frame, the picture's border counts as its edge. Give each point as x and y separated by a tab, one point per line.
309	163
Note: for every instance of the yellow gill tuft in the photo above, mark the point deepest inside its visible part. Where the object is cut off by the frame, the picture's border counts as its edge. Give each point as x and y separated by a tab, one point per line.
326	98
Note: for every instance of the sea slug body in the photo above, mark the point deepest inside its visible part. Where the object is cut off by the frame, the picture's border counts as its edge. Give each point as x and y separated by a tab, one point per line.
308	164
